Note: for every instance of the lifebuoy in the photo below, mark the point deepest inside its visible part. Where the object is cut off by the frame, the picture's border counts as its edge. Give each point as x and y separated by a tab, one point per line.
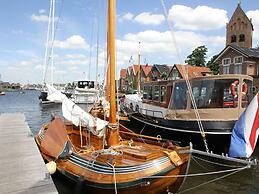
234	85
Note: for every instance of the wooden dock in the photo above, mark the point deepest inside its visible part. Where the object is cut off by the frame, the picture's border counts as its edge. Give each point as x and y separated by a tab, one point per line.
22	169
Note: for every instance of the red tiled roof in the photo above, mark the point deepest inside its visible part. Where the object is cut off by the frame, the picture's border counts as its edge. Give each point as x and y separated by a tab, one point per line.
123	73
193	71
146	69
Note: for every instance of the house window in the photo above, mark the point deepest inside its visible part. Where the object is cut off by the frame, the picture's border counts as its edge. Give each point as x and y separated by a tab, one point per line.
238	65
162	94
226	69
145	92
175	74
226	62
241	38
233	38
238	59
150	93
156	93
238	69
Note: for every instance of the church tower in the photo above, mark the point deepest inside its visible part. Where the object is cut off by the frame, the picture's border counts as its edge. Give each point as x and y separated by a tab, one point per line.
239	29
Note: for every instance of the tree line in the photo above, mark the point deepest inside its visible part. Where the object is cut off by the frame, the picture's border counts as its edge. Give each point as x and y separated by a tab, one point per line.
198	58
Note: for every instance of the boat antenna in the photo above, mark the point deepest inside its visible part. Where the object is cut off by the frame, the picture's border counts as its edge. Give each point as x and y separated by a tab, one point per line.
186	78
139	72
90	53
97	43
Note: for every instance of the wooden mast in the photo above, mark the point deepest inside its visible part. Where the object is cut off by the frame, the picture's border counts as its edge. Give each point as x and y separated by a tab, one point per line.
113	136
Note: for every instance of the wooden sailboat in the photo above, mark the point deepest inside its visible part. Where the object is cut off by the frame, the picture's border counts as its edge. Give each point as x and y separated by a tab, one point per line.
110	160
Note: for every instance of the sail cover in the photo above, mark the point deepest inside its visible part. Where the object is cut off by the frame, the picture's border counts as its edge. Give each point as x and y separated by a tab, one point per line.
245	132
75	114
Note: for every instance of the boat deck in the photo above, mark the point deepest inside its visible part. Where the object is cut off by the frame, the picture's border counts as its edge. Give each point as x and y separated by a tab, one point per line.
22	168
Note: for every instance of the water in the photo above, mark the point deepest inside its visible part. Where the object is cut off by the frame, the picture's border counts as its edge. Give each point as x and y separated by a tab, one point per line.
244	182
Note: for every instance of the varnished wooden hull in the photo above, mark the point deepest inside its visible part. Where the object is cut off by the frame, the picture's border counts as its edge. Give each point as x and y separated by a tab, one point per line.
133	171
143	185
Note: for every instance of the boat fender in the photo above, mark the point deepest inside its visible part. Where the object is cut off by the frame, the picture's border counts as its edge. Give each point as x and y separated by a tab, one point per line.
174	157
234	85
51	167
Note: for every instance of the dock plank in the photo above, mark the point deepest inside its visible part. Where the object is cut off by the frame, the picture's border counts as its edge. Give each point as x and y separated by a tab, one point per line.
22	169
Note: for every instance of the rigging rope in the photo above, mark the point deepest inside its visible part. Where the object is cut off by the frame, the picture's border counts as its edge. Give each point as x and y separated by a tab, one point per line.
52	44
186	79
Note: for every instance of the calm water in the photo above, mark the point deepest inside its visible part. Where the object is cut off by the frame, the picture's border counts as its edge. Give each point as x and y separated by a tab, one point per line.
246	181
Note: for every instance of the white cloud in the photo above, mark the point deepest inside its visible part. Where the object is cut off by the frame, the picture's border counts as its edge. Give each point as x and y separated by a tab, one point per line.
158	47
147	18
126	16
41	11
199	18
39	18
254	14
73	42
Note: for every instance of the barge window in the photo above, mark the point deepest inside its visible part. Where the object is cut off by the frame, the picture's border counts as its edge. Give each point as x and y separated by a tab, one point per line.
162	94
156	93
150	93
145	92
215	93
248	94
179	96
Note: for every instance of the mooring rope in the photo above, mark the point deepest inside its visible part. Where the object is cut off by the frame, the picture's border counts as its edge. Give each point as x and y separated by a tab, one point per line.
199	174
216	163
114	177
213	180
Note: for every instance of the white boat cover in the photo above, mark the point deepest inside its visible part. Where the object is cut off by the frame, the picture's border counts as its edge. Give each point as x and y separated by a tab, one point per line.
135	98
75	114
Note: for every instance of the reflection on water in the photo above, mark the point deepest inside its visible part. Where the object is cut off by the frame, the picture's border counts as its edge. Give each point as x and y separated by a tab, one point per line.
246	182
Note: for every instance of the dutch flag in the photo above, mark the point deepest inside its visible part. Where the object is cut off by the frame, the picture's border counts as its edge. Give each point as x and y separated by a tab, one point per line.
245	132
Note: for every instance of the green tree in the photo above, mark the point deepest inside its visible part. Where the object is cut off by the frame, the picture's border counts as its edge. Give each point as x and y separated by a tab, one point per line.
214	67
198	56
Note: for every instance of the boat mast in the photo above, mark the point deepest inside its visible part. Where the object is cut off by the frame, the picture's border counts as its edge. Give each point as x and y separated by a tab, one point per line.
52	41
113	137
139	73
47	44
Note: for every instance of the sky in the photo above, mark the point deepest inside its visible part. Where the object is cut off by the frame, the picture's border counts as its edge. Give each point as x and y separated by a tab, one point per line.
140	25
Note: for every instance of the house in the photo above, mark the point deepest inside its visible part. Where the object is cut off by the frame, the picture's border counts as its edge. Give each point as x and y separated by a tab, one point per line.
159	72
179	71
239	60
238	57
145	70
128	81
131	82
123	74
